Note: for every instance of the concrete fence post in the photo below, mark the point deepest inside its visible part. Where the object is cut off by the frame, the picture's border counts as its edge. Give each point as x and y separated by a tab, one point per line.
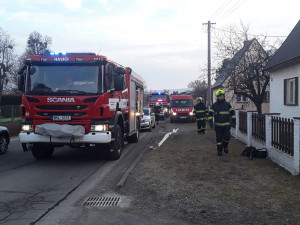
268	119
297	144
249	128
237	125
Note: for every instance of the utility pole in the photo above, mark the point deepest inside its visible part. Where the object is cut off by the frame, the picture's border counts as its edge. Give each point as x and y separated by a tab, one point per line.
208	64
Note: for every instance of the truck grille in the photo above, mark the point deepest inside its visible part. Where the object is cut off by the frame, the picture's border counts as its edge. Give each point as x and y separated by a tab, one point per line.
61	113
61	107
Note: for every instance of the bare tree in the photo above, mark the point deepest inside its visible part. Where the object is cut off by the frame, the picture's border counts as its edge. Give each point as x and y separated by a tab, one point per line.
37	44
242	58
7	59
199	89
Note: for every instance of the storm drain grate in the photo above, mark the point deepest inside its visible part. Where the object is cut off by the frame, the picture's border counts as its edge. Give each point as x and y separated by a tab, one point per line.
102	201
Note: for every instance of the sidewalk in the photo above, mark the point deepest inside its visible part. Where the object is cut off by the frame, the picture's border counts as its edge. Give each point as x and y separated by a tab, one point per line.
185	180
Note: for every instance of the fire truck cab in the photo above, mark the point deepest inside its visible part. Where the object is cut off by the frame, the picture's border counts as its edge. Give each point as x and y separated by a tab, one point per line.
163	99
182	108
79	100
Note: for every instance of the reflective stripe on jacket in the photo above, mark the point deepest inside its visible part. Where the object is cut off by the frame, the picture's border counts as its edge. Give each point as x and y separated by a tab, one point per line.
200	111
222	112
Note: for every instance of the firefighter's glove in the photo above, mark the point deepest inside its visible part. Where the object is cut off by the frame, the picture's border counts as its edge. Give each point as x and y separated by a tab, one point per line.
211	124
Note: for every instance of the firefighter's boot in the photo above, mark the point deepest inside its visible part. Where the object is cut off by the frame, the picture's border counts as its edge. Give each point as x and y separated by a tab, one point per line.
226	149
219	149
225	146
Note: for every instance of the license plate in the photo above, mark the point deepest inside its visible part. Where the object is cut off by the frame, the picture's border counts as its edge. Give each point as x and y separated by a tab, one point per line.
61	118
183	117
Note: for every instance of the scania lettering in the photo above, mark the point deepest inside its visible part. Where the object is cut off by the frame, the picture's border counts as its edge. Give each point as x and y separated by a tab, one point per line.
60	100
79	100
181	108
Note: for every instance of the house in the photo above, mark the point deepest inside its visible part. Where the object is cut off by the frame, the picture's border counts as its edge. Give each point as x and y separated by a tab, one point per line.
284	68
231	67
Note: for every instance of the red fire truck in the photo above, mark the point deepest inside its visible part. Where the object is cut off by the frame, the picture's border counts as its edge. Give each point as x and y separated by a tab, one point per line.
182	108
163	99
79	100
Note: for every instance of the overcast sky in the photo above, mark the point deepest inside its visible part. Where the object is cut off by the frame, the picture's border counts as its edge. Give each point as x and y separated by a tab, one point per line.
162	40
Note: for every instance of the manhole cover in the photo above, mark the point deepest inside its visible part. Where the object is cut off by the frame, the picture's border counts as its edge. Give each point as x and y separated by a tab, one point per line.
102	201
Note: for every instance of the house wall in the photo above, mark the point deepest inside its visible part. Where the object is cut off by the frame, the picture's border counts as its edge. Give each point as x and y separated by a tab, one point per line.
277	92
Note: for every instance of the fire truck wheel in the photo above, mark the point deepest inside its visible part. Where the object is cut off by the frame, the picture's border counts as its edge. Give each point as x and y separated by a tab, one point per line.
40	151
114	152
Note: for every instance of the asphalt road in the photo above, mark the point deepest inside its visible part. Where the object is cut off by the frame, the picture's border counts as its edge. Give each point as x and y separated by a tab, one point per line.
32	190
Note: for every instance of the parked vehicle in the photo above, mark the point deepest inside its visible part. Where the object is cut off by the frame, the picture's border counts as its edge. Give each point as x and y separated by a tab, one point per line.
148	120
4	140
163	99
182	108
80	100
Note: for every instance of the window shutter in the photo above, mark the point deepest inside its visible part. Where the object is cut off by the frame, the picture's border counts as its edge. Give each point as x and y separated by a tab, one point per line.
296	90
284	91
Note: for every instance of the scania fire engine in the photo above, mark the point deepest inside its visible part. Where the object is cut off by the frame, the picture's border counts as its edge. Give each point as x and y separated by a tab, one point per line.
163	99
79	100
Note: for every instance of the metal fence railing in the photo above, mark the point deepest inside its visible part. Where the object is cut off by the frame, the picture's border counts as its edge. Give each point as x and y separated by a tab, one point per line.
283	134
259	126
243	121
9	113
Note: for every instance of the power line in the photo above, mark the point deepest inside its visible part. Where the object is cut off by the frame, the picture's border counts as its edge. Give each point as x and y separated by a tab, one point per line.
221	15
220	9
238	4
254	35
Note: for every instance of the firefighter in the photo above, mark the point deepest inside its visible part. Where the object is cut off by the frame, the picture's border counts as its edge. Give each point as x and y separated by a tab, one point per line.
223	113
156	110
200	113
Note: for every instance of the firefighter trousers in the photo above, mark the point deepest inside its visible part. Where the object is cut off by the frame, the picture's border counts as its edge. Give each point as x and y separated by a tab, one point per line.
201	125
223	136
157	115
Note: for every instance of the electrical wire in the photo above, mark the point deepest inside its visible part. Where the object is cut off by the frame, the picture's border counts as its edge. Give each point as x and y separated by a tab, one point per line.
220	9
232	8
254	35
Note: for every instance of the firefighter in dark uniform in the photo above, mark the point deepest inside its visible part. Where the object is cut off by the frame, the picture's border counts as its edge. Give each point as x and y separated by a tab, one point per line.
200	113
156	110
223	114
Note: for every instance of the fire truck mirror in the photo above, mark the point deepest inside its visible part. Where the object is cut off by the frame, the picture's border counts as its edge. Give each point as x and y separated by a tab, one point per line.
120	70
118	82
32	70
21	70
21	82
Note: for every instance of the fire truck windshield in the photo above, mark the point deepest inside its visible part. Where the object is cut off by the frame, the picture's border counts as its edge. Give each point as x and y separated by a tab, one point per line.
182	103
154	98
56	80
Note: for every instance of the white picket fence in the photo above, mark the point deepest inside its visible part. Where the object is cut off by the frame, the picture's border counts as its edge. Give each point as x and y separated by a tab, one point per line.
290	162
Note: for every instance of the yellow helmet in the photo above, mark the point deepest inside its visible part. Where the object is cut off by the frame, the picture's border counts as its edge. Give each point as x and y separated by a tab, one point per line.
220	92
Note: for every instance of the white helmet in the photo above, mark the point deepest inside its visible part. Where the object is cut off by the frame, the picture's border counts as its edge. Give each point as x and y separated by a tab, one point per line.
157	104
199	98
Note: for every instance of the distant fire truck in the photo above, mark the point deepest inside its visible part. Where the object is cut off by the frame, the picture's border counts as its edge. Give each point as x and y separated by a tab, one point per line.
163	99
79	100
182	108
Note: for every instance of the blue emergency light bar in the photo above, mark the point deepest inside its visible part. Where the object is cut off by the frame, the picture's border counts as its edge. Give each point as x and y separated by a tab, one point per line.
65	53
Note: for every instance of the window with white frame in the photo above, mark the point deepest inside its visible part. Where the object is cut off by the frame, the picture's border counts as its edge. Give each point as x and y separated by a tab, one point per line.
241	98
291	91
